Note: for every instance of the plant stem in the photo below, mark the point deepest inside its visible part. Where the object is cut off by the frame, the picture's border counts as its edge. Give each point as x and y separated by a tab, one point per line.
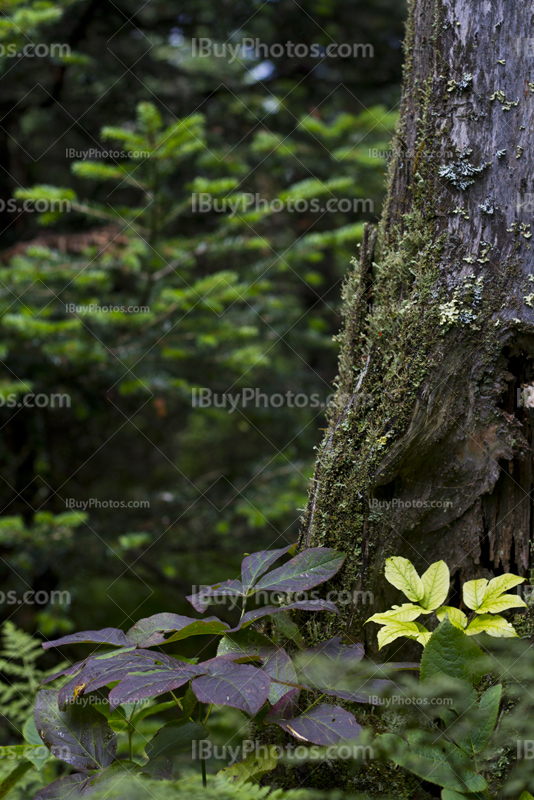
314	703
130	741
208	714
203	767
177	701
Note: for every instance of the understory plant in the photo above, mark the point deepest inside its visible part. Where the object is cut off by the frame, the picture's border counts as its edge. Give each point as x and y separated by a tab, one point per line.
79	725
453	735
427	594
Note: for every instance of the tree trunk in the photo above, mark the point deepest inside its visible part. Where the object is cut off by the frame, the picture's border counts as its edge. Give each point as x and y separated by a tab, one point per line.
428	454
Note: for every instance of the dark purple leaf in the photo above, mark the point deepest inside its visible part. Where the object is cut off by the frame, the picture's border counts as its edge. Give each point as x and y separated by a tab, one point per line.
368	691
323	725
278	667
107	782
80	736
302	605
63	789
238	685
256	564
338	651
285	708
304	571
170	741
72	670
111	636
98	671
335	668
151	631
139	686
201	600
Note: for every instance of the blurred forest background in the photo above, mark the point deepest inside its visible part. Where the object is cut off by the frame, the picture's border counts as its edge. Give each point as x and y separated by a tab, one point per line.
235	301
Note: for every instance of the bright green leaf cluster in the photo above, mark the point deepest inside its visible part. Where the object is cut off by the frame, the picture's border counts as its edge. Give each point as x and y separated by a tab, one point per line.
428	593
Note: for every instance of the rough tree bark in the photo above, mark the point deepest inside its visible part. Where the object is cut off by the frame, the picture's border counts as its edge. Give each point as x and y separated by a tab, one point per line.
439	332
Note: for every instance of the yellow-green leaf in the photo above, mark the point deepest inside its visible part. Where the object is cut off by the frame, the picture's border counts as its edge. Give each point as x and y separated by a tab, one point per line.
500	584
252	768
473	593
494	625
404	613
394	629
423	635
526	796
436	581
495	606
456	617
402	574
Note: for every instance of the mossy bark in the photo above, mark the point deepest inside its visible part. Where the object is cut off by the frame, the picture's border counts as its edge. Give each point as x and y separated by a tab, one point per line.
428	454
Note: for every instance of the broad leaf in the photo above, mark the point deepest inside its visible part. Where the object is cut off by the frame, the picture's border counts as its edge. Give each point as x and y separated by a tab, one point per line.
288	628
393	630
436	581
457	617
152	630
252	768
99	671
450	652
441	763
402	574
138	686
405	613
254	565
300	605
526	796
105	784
201	600
304	571
279	667
481	724
246	641
500	584
338	651
473	593
111	636
327	667
63	789
238	685
492	624
323	725
41	754
80	736
170	741
502	603
285	708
